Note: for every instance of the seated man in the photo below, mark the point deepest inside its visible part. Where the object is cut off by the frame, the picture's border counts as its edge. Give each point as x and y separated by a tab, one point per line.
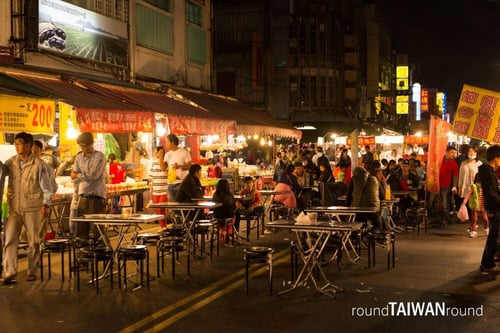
250	202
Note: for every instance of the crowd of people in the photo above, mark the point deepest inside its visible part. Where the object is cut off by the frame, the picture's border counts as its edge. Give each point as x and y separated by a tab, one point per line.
304	178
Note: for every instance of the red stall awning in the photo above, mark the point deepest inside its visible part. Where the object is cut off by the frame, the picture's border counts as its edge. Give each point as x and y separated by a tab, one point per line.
249	121
95	113
183	117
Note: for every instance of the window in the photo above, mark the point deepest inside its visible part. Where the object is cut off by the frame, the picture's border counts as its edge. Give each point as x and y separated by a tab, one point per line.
196	44
194	13
154	30
162	4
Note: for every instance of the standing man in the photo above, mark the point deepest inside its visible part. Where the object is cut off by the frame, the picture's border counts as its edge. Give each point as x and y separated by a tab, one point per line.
368	158
489	184
31	186
176	159
448	180
159	183
89	171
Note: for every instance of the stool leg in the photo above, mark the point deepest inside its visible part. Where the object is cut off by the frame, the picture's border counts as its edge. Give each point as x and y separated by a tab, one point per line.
125	271
147	268
119	272
270	260
258	227
248	230
173	251
70	263
62	263
246	274
77	273
141	265
49	265
393	241
158	261
369	252
41	264
95	274
111	270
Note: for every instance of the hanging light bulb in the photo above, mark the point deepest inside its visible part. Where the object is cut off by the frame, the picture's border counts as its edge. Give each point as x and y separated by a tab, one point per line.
71	132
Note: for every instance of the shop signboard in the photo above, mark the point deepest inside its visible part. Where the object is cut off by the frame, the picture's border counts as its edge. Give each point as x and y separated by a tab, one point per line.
20	114
114	121
478	114
77	32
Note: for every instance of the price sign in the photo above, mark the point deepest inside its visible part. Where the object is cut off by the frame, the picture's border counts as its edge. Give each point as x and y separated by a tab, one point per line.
31	115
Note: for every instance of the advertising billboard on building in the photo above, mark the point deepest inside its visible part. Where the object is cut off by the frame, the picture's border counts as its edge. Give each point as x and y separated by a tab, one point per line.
77	32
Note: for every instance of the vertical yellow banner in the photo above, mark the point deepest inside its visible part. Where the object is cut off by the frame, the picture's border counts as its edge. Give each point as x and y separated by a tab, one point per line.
68	131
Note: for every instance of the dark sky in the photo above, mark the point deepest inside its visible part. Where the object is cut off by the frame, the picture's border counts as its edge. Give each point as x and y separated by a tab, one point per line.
453	42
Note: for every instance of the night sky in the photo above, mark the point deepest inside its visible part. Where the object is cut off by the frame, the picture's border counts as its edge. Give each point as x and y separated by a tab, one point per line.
453	42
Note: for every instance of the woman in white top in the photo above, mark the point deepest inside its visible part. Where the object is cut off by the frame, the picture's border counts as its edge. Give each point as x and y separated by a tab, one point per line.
466	174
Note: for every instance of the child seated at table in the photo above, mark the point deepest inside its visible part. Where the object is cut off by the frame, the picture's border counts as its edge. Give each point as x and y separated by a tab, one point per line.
223	195
250	202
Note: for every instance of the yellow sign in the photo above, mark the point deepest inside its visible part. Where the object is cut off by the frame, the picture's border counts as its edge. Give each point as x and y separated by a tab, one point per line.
402	104
478	114
68	131
20	114
402	78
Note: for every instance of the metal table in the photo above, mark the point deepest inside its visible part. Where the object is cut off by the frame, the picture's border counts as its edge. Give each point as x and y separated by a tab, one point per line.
311	242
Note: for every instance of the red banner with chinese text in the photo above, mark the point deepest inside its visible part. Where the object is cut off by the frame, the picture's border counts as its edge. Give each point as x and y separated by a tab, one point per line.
416	140
478	114
362	141
114	121
438	140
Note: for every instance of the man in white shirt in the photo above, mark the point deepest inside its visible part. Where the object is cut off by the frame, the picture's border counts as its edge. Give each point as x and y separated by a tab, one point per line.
180	160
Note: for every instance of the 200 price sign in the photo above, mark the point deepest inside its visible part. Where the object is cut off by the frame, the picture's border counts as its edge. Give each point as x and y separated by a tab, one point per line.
42	115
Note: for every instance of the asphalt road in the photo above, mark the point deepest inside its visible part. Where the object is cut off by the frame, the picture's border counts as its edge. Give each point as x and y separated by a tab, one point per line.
437	271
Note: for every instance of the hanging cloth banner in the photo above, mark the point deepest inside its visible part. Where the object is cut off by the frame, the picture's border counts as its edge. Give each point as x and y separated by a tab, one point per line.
114	121
194	125
478	114
438	139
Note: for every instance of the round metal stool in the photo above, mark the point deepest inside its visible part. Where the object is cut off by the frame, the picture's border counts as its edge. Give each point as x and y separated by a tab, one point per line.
259	254
58	245
171	245
137	253
92	256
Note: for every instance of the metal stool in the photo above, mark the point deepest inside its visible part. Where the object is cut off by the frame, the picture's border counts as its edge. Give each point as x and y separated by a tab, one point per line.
59	245
259	254
137	253
252	217
387	240
148	238
92	256
294	261
228	224
202	228
171	245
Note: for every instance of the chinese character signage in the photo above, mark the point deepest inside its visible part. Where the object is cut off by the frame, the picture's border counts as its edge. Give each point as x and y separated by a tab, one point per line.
110	121
21	114
478	114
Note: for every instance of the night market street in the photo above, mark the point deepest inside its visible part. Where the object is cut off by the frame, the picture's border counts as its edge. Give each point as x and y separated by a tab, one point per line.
440	267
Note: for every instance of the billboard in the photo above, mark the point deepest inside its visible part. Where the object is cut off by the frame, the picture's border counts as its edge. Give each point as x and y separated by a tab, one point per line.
478	114
77	32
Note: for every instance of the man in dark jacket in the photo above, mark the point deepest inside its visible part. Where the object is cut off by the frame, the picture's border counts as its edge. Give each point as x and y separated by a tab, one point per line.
191	185
491	192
